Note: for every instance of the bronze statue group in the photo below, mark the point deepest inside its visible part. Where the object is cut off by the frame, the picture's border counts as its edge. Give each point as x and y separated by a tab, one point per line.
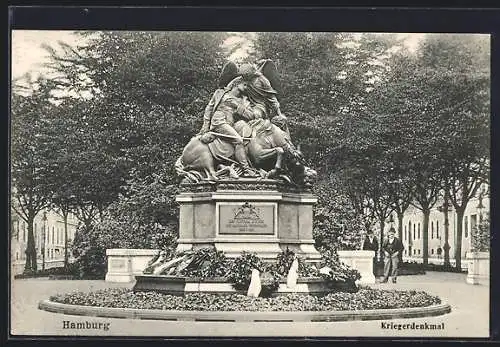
244	132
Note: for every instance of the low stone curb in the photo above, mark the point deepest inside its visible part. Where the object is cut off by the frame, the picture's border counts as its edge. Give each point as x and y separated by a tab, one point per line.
248	316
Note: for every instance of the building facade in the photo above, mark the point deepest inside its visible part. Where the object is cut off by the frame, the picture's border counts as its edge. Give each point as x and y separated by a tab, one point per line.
48	230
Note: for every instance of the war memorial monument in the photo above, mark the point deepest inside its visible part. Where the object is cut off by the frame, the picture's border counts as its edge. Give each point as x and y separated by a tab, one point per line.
245	229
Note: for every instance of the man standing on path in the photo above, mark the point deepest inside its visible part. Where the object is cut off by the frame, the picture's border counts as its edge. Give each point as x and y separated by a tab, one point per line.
391	247
371	244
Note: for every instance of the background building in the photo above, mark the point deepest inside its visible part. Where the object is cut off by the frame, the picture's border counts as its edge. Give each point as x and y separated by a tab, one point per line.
48	225
413	221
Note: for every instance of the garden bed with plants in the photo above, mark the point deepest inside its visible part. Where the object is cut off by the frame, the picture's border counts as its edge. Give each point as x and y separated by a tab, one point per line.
363	299
340	298
71	272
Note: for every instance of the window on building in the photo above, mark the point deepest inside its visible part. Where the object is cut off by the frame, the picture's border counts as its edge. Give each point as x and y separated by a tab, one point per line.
432	250
24	232
53	233
466	227
17	230
437	230
418	231
419	252
414	232
432	230
404	252
414	251
17	255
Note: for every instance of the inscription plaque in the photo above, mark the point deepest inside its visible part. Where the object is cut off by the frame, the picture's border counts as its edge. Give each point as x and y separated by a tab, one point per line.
246	219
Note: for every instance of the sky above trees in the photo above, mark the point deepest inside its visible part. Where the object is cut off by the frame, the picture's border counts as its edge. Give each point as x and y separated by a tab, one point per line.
28	54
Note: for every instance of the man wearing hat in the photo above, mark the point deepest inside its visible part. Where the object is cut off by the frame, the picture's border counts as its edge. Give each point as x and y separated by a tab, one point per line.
392	248
371	244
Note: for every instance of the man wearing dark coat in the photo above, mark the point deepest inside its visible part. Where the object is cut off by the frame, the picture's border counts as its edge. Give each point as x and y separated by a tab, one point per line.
392	248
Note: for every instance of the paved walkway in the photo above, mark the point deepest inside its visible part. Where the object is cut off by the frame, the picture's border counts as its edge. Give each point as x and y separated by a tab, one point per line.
469	316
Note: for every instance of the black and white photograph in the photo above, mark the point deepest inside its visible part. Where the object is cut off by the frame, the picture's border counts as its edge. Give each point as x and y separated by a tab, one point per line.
249	184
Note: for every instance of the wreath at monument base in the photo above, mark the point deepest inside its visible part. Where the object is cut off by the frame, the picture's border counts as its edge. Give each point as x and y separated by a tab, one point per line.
205	264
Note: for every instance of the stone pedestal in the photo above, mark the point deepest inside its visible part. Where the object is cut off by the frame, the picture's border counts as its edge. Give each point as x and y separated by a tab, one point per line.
259	216
124	264
181	285
361	261
478	271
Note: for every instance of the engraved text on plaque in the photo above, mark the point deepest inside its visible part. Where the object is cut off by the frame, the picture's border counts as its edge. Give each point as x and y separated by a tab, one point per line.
246	219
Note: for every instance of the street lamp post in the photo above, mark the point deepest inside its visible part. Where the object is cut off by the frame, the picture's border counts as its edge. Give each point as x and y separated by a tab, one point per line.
44	232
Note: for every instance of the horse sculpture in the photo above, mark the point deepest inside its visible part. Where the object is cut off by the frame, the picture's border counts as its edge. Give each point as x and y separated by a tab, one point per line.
266	144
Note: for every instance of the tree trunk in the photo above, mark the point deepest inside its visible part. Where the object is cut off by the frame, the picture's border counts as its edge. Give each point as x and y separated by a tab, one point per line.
382	226
65	218
446	246
88	224
400	231
458	245
425	237
400	225
30	264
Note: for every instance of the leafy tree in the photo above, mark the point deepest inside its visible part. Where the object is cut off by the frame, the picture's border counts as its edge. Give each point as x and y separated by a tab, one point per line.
324	77
85	177
336	223
326	80
482	235
29	109
356	193
429	124
134	100
148	91
457	71
391	104
428	186
144	217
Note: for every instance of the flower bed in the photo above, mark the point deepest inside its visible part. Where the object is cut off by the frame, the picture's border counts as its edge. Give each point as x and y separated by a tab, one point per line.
70	272
364	299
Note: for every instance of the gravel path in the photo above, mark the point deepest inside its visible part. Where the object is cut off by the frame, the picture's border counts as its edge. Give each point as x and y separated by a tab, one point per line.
469	316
